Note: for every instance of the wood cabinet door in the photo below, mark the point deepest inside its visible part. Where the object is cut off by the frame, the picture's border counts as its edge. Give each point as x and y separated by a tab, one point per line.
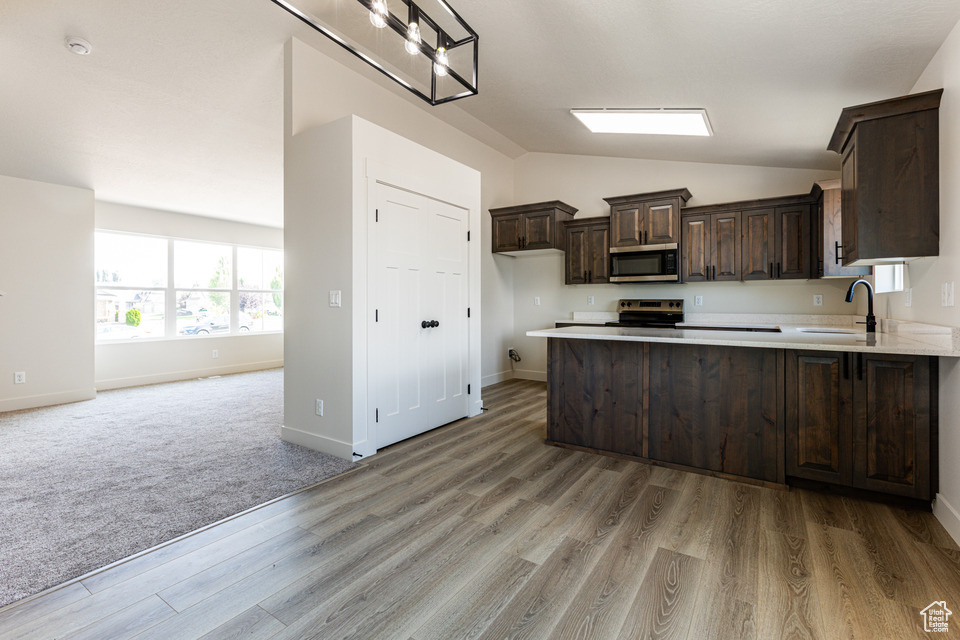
577	256
733	424
793	242
891	426
538	230
662	222
848	202
598	263
725	246
830	235
506	233
759	247
819	416
627	225
595	394
695	253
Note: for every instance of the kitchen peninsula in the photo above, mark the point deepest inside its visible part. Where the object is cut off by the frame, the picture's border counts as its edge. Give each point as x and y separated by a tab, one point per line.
785	405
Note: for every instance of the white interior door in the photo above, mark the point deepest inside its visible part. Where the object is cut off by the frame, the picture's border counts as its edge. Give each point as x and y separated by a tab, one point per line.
418	372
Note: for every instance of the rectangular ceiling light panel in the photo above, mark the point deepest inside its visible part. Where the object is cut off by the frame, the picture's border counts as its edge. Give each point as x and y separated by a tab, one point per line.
667	122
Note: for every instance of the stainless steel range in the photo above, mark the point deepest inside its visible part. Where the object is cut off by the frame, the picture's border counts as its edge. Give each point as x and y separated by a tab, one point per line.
649	313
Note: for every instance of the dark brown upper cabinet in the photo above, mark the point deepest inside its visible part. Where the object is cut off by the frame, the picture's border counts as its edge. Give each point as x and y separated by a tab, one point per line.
862	420
890	179
828	234
710	248
530	227
750	240
645	219
587	258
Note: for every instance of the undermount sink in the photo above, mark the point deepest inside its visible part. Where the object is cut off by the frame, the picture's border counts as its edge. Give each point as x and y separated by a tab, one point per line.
828	330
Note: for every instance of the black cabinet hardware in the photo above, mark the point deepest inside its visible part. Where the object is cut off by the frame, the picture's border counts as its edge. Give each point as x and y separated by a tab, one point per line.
846	365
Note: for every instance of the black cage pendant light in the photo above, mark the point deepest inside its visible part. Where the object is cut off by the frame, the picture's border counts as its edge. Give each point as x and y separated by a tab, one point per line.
433	56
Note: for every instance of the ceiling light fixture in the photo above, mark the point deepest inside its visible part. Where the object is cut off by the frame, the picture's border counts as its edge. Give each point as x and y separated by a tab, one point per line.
452	71
667	122
78	46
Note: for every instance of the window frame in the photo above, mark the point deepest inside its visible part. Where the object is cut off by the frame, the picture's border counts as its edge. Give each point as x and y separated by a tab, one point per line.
170	292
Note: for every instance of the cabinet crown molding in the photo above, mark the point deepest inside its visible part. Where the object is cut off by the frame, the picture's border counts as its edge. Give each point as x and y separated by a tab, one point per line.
850	116
683	194
535	206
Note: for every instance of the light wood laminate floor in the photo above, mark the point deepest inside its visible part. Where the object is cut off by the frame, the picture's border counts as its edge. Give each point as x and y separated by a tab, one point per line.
479	530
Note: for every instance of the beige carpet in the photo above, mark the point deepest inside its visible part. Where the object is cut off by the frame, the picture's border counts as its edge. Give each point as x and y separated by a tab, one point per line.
86	484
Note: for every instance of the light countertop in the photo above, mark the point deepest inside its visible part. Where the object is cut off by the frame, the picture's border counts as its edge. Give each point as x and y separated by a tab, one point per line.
893	337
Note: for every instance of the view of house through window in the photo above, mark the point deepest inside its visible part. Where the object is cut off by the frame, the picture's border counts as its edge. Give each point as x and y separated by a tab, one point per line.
149	287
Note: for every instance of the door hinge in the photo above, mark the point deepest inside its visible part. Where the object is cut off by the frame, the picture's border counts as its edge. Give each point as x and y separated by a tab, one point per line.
468	312
378	415
376	215
468	389
468	236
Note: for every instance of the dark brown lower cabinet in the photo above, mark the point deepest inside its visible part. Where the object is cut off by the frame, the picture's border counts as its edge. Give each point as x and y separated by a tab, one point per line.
715	408
595	394
862	420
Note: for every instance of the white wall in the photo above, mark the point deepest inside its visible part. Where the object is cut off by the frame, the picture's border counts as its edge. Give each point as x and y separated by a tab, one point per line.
926	275
326	90
47	314
125	364
583	181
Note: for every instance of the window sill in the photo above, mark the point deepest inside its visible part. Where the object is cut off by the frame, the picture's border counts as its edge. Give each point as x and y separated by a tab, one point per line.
245	334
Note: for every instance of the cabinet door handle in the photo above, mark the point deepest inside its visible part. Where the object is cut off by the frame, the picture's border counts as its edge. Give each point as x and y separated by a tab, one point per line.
859	366
584	276
771	269
714	272
589	275
836	248
778	269
846	365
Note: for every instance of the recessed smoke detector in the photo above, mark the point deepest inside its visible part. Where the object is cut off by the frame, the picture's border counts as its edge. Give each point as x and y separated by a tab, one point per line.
77	45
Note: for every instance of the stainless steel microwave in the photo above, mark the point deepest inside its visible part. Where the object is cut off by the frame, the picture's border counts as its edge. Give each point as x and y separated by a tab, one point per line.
654	264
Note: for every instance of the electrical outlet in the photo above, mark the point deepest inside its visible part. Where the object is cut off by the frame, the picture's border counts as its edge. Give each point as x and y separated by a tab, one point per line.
215	354
908	297
536	300
335	297
320	408
589	299
698	301
946	294
20	377
817	300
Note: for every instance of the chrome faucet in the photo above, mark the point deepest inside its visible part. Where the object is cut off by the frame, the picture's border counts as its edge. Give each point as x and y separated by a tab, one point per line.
871	319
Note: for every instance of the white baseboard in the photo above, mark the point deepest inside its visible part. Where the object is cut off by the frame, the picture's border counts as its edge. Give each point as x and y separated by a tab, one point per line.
317	442
494	378
948	516
526	374
188	374
47	399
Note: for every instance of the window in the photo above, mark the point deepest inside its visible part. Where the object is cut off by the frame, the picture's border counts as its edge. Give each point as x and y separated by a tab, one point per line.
149	287
131	279
260	282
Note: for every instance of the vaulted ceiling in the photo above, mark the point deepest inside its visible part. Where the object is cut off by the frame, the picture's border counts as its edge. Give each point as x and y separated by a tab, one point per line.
180	105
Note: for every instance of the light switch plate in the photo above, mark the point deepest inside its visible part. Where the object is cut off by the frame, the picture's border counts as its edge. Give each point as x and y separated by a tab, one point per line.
536	300
946	294
335	298
589	299
698	301
818	300
908	297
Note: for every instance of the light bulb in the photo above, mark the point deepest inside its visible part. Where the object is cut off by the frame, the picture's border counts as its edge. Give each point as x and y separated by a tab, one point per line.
378	16
412	45
440	66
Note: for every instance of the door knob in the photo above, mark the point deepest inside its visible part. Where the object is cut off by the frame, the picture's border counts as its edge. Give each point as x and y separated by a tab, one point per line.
425	325
434	324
